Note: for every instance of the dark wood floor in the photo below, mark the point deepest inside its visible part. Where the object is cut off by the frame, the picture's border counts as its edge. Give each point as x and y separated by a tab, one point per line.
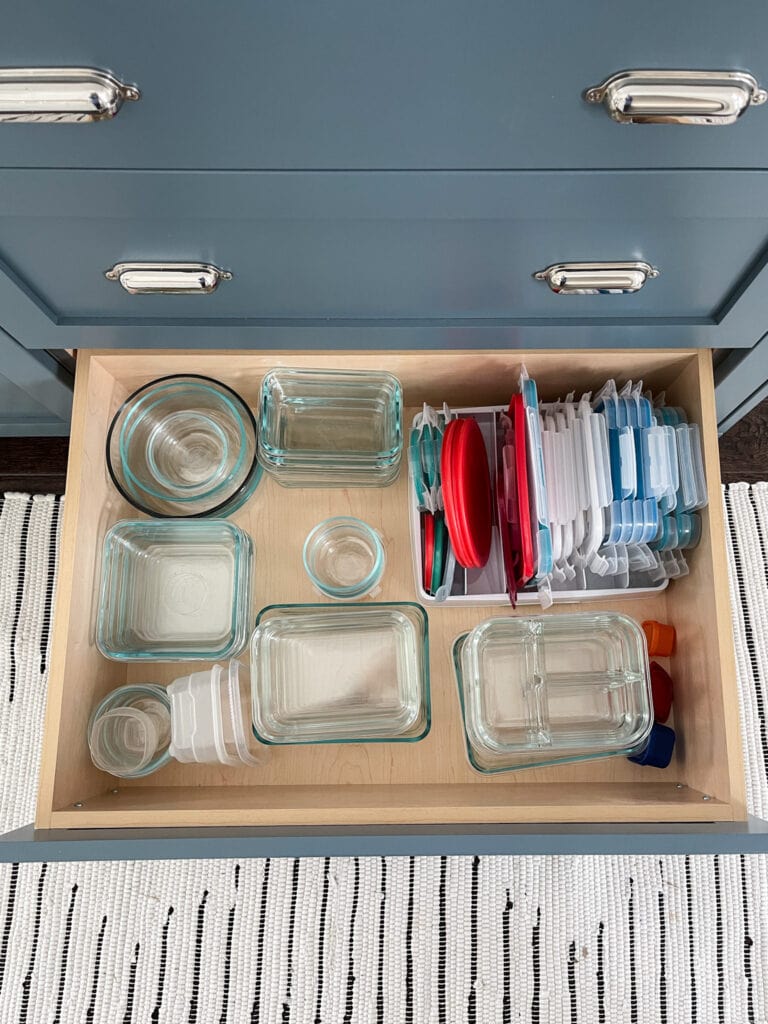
38	464
34	464
744	449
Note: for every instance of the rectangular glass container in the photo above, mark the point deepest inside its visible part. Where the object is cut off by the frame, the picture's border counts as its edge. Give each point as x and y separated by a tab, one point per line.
340	674
331	427
539	691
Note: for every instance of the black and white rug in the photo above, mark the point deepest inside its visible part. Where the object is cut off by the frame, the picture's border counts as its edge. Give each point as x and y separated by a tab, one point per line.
615	940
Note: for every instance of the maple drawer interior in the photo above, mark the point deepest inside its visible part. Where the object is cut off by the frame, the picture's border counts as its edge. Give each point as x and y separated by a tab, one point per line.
425	782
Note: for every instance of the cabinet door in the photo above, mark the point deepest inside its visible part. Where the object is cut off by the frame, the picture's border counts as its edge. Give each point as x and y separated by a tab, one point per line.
406	84
337	260
741	383
35	392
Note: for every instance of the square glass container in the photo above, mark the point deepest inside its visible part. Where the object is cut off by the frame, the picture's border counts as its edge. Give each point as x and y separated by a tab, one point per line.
540	691
340	673
174	590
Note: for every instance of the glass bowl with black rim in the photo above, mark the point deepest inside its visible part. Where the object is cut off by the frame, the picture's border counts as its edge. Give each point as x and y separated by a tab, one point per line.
184	446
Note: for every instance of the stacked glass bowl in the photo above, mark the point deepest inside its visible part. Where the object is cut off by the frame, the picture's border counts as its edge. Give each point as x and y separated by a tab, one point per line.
553	689
184	446
331	428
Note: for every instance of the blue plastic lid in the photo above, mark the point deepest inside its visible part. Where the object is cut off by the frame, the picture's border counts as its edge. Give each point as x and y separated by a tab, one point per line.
658	750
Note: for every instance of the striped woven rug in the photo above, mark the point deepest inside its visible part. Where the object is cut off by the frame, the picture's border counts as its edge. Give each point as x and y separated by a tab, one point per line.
348	940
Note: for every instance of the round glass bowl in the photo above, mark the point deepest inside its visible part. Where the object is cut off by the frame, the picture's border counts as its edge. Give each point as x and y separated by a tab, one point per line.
129	732
186	446
344	558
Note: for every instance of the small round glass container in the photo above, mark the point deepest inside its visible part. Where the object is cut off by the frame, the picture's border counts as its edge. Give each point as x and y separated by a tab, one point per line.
344	558
129	732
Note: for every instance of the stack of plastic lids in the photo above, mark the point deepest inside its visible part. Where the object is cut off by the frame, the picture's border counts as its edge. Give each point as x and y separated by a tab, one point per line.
583	494
624	479
424	455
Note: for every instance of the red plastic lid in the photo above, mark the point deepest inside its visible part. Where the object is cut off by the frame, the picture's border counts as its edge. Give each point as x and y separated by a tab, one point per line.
429	548
467	493
505	531
446	481
661	690
523	522
446	477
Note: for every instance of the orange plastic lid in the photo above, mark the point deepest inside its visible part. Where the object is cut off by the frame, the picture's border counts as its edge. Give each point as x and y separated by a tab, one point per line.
660	637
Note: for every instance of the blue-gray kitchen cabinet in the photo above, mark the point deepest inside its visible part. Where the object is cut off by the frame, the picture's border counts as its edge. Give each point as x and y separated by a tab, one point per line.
408	84
383	260
35	392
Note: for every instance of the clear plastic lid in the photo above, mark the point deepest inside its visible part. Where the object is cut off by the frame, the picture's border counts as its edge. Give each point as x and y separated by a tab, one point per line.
623	463
537	489
124	741
239	741
196	733
129	731
693	485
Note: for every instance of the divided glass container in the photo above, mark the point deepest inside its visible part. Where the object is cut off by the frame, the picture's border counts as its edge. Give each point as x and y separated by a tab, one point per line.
546	690
331	428
175	590
340	673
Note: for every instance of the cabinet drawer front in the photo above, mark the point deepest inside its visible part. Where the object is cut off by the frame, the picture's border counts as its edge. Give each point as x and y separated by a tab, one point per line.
401	85
352	252
387	785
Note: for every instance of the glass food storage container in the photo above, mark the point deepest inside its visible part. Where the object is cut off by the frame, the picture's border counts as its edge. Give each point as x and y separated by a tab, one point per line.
551	689
175	590
323	673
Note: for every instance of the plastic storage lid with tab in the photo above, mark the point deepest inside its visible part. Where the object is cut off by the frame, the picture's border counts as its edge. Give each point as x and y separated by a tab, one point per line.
467	492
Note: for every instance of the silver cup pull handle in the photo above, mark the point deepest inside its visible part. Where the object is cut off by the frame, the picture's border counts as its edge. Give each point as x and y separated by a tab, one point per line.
597	278
168	278
61	95
677	97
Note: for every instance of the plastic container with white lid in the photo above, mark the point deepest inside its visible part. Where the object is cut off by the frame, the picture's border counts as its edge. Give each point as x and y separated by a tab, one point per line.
207	721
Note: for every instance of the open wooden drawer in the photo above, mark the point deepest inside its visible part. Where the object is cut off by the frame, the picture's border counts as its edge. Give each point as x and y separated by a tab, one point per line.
425	783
